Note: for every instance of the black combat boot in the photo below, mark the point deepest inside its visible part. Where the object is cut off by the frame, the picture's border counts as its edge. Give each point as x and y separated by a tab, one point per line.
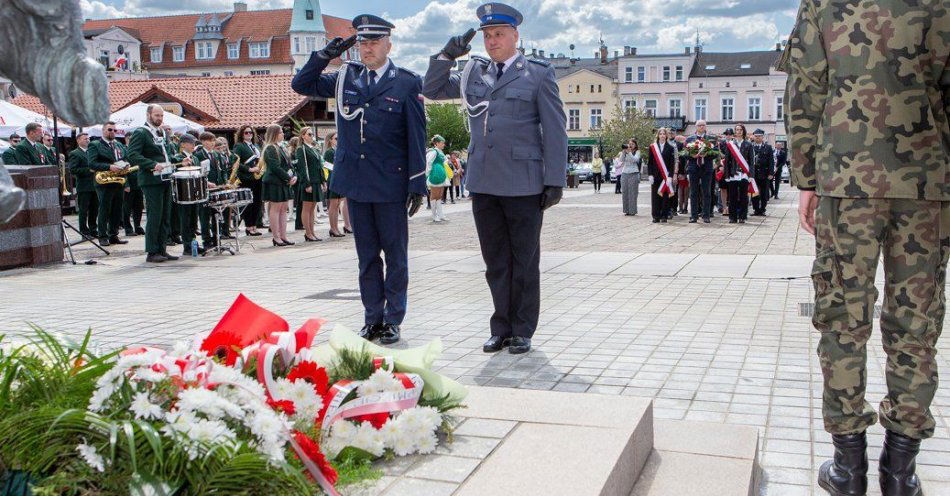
897	466
847	474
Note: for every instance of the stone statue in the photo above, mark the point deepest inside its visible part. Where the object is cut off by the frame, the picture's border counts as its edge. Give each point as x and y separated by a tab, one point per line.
43	54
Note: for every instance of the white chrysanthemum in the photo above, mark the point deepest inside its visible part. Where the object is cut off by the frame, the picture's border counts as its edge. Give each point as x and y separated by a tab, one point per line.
266	425
369	439
209	403
210	432
148	375
344	430
427	443
403	444
380	382
99	397
92	457
307	403
143	408
139	359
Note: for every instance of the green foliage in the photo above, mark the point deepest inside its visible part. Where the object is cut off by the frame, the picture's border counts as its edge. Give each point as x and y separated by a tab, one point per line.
354	471
632	123
447	120
350	364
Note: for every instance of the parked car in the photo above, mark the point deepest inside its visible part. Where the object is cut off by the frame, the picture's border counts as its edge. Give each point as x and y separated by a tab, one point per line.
583	172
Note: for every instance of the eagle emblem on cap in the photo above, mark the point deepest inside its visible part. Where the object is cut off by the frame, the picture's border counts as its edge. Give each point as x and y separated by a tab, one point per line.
488	9
365	20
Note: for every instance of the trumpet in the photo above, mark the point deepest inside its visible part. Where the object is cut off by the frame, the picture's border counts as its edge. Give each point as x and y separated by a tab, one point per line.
115	177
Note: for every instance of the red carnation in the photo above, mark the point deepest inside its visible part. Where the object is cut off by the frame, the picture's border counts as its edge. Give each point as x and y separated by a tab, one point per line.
312	373
312	450
285	406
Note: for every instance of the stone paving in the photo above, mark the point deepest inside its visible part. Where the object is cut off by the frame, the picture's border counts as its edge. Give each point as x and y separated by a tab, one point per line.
706	319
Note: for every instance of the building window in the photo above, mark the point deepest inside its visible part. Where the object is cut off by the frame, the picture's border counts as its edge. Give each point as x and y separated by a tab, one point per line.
570	88
155	54
178	54
728	109
676	107
204	50
700	85
259	50
260	72
591	88
228	73
666	73
596	118
629	105
574	119
755	108
699	109
628	74
205	74
779	108
679	73
296	44
234	50
600	88
311	44
649	106
641	74
309	14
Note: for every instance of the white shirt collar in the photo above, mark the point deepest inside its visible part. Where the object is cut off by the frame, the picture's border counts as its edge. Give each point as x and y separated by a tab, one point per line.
382	70
508	63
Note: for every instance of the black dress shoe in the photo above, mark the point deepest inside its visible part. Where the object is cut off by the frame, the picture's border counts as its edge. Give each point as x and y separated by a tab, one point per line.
129	233
370	332
847	473
337	235
495	343
288	243
249	233
104	241
706	220
519	345
116	241
176	240
664	220
139	231
347	231
897	466
656	221
155	258
742	221
732	221
389	334
169	257
692	221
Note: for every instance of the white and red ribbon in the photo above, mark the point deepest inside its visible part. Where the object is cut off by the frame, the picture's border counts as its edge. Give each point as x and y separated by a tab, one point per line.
737	155
666	188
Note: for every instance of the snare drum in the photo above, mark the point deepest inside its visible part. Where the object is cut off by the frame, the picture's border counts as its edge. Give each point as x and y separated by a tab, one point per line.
243	196
189	186
221	197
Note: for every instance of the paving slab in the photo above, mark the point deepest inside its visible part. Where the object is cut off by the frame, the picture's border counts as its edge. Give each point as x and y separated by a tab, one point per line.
669	473
718	266
655	264
594	263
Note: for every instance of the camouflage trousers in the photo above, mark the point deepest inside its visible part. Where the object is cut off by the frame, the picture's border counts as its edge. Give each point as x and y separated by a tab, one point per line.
851	235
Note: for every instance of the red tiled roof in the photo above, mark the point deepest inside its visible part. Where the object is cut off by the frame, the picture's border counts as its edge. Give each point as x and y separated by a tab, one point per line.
249	26
229	101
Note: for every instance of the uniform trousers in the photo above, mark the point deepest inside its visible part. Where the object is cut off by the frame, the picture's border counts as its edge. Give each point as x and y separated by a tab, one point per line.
659	204
762	200
252	213
700	191
382	227
158	209
132	207
509	232
738	198
87	204
110	209
172	222
631	190
188	221
914	236
776	181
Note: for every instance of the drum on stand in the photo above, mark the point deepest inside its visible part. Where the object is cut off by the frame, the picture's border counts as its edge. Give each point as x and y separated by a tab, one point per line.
189	186
243	196
223	197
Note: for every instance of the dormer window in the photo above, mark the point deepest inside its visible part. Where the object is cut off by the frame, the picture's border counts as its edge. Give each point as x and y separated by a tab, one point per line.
309	14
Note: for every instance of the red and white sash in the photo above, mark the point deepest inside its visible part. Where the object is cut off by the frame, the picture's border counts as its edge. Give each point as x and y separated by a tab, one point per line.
666	189
737	155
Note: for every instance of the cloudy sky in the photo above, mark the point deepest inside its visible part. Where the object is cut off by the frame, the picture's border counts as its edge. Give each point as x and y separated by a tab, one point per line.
653	26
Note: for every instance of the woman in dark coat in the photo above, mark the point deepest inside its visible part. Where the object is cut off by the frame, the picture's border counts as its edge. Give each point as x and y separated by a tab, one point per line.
309	167
667	150
246	149
278	180
337	202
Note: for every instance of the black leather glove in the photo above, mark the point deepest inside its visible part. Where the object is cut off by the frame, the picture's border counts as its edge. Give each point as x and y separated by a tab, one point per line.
337	47
459	45
414	203
551	196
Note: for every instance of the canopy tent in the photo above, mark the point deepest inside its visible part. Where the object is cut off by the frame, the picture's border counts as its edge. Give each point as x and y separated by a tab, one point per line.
133	117
13	119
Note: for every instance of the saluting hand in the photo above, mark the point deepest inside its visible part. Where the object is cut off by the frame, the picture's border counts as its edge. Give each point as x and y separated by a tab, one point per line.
337	47
459	45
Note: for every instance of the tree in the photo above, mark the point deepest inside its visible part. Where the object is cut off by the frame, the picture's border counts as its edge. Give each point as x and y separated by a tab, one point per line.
626	124
447	120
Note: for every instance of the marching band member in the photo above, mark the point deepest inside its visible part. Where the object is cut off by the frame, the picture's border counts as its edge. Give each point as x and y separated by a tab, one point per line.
105	155
227	162
216	179
311	185
188	214
87	203
247	149
172	222
278	180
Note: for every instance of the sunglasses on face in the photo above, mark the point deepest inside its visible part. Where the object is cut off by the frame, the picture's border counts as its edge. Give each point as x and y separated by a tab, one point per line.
248	133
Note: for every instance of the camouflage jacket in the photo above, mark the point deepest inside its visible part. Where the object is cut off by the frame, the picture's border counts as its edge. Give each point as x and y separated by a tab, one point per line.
868	97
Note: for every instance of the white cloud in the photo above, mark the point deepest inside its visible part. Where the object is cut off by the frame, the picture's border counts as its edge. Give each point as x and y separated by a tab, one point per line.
94	9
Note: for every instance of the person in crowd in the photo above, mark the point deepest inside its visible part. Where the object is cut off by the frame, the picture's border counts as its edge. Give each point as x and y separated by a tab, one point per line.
9	155
337	201
47	149
597	171
133	206
28	151
108	155
87	202
228	162
661	164
615	171
436	177
278	180
869	139
628	163
700	172
148	149
721	185
206	158
188	214
763	170
781	158
311	182
736	160
449	193
173	219
682	179
457	173
249	171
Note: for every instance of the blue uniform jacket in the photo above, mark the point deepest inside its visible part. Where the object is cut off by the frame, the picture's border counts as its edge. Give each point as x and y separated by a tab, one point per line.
390	161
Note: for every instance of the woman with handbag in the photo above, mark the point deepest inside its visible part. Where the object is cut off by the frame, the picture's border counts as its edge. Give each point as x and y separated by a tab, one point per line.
278	180
437	177
311	185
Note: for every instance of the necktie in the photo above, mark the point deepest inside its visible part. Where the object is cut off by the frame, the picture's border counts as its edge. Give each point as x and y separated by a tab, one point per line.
501	69
372	78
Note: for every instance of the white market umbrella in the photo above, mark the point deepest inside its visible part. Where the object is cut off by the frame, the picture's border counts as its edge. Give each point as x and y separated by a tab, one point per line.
133	117
13	119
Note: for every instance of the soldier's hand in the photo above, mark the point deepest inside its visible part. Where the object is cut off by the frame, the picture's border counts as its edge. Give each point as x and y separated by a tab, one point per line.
413	204
551	196
807	204
459	45
336	47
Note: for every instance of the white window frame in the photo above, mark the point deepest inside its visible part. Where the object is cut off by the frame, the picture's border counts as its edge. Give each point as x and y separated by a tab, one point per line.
204	50
731	107
754	108
259	50
679	73
678	106
234	50
700	108
310	44
650	109
297	48
779	107
596	118
574	119
641	74
628	74
152	52
667	73
629	104
178	53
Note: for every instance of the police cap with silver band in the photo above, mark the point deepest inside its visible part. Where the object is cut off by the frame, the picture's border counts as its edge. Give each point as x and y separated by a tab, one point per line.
758	132
498	14
370	27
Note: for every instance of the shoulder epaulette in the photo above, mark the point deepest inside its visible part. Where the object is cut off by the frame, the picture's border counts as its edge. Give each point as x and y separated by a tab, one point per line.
540	62
407	71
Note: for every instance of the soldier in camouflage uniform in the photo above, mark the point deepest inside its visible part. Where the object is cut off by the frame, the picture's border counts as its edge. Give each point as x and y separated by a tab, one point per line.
868	101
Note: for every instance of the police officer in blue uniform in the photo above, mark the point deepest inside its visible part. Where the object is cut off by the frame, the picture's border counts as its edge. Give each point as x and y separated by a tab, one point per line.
515	171
380	162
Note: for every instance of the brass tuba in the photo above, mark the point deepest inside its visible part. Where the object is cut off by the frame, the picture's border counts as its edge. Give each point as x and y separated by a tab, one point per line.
115	177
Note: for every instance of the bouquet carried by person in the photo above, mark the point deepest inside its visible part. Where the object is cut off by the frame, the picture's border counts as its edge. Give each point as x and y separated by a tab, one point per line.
701	148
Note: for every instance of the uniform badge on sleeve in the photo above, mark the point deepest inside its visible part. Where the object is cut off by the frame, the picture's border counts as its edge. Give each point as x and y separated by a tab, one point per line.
421	98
